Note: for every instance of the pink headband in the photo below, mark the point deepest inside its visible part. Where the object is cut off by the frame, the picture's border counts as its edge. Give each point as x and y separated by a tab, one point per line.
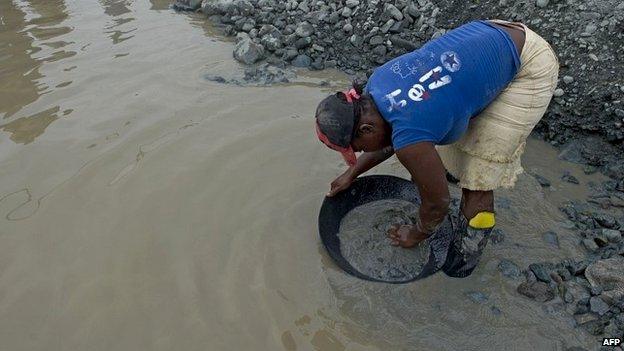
351	95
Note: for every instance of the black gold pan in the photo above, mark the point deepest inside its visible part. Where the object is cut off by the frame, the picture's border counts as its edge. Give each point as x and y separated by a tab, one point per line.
374	188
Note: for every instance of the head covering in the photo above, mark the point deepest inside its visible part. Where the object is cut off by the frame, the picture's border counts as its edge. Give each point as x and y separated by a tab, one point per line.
336	121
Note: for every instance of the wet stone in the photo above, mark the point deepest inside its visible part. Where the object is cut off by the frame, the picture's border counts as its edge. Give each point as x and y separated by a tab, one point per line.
612	235
542	181
497	236
302	61
248	52
551	238
541	272
605	220
304	29
477	297
509	269
567	177
597	305
376	40
496	311
541	3
595	327
590	245
538	291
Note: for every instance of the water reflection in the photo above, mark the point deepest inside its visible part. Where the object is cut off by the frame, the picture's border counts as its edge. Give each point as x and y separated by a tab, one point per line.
116	9
24	130
30	34
160	4
18	69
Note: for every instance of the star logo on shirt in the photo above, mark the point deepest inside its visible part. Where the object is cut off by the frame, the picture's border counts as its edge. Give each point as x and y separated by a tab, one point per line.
450	61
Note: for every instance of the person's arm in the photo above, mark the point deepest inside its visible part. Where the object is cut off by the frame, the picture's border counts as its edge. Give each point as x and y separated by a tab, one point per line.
429	175
365	162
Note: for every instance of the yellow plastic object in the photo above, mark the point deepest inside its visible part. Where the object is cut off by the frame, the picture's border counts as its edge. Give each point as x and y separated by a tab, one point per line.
483	220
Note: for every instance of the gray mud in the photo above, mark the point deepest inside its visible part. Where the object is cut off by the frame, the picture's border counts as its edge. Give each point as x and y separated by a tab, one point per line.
364	244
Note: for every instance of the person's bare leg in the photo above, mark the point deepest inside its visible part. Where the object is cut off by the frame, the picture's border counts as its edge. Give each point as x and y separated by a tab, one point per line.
473	202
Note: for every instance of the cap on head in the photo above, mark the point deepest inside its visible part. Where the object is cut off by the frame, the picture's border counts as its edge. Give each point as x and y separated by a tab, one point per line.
335	122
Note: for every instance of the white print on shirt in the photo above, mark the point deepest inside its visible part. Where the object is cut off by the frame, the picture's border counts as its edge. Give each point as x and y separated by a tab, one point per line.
396	68
393	103
418	93
450	61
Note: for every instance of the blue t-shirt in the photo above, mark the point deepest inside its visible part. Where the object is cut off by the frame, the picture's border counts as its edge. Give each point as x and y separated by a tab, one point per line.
430	94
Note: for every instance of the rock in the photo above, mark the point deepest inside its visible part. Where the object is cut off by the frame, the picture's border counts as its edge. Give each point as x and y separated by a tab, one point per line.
248	52
402	43
595	327
356	40
558	92
379	50
569	178
290	54
509	269
352	3
347	28
302	61
304	30
386	27
496	311
497	236
375	40
537	291
612	235
568	79
608	273
477	297
541	3
187	5
551	238
585	318
317	64
302	43
541	272
597	305
391	11
271	42
590	28
346	12
590	245
605	220
541	180
578	268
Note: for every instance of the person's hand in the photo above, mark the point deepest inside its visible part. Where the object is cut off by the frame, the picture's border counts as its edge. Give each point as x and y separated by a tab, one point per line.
405	235
341	183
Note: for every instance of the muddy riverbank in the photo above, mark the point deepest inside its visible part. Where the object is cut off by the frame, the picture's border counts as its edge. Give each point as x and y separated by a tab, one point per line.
144	206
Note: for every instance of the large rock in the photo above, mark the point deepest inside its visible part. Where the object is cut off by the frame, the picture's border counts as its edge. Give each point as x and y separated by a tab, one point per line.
509	269
217	7
248	52
187	5
302	61
538	291
304	29
608	275
597	305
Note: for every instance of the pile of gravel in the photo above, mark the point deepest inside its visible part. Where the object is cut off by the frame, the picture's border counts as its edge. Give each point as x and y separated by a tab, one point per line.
355	36
589	290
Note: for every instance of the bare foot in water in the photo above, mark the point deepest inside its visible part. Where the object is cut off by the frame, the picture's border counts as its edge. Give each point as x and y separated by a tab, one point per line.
405	236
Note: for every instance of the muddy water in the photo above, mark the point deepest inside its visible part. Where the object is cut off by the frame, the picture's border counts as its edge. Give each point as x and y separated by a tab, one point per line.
145	208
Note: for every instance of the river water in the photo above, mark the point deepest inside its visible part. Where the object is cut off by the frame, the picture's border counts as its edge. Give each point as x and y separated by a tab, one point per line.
143	207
